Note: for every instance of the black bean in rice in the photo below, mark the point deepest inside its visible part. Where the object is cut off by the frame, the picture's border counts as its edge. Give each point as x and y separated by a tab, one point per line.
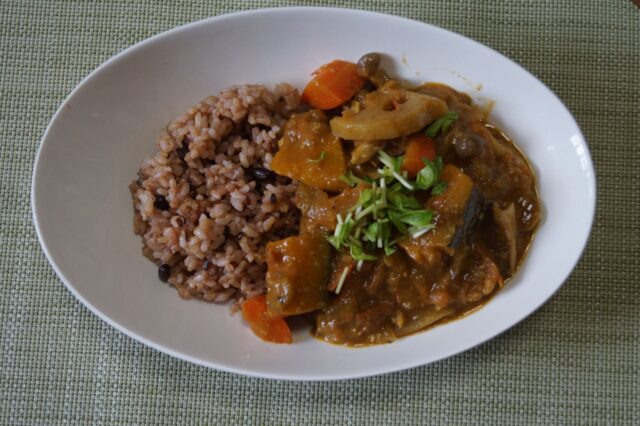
217	218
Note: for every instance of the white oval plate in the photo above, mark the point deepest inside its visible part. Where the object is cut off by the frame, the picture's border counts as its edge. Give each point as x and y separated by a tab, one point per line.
98	137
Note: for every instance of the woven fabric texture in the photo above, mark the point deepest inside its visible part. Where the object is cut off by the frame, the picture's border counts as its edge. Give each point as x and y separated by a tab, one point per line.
575	361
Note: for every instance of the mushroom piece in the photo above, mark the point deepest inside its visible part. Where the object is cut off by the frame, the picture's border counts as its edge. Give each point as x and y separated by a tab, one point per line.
368	64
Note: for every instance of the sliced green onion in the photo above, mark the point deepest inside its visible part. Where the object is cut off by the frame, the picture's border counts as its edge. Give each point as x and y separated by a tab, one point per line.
323	154
442	124
386	205
419	233
357	233
403	181
417	218
364	212
352	180
386	159
343	278
439	188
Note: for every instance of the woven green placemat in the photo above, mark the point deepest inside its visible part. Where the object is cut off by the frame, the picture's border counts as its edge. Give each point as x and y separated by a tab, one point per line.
577	360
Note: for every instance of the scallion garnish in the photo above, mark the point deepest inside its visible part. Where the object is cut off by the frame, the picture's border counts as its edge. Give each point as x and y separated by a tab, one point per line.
352	180
343	277
439	187
385	206
442	124
323	154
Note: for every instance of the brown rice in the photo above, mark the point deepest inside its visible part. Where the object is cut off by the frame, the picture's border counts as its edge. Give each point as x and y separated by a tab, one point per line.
206	203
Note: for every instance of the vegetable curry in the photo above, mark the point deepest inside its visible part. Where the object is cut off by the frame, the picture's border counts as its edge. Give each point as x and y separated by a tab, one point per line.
414	209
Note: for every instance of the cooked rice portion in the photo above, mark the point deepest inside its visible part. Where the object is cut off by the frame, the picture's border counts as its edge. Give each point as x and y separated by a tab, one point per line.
207	203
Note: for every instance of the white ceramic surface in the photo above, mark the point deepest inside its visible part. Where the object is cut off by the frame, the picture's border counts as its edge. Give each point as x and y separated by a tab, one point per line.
100	134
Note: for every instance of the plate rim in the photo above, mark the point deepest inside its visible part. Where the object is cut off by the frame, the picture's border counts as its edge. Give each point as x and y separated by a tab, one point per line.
252	372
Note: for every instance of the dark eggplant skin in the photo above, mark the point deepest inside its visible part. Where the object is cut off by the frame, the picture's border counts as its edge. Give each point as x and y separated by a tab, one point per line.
471	216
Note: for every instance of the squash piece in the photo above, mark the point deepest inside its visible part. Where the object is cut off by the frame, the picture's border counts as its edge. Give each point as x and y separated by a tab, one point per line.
297	274
449	207
319	211
310	153
343	202
316	208
453	201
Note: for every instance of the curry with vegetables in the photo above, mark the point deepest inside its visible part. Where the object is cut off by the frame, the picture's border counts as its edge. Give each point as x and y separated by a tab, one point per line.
414	209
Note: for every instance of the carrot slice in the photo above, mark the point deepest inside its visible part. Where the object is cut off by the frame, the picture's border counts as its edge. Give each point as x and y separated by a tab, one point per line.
419	146
334	84
254	312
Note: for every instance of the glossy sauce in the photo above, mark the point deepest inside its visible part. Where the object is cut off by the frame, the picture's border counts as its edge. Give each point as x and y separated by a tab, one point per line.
430	281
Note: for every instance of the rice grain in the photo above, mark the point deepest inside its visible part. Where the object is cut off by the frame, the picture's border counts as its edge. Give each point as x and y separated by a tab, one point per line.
220	217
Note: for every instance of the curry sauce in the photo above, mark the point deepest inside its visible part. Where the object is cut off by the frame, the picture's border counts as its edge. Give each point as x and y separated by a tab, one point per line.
411	247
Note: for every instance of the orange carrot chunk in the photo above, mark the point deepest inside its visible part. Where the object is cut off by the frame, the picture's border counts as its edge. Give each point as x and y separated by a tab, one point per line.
419	146
276	330
332	85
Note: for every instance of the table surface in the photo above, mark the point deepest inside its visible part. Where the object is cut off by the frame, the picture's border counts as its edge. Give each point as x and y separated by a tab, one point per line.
576	360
